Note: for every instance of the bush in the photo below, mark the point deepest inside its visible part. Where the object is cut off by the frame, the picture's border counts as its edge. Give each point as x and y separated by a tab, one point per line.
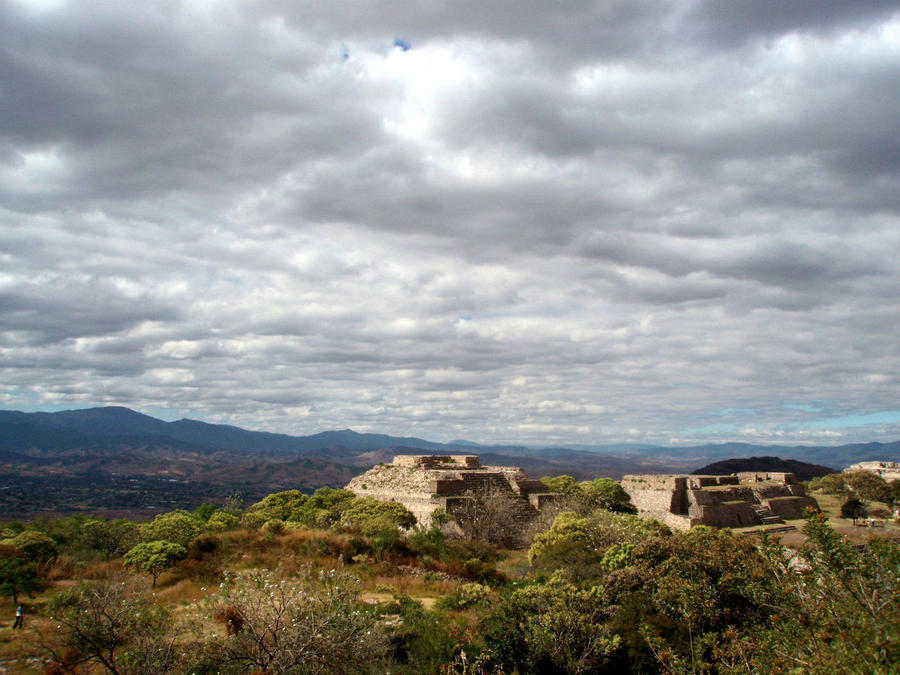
312	624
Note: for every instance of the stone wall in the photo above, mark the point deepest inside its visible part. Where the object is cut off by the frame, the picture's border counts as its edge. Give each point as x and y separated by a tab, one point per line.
887	470
424	483
741	500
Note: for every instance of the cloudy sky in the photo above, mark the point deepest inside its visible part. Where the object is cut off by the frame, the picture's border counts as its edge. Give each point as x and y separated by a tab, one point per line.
543	222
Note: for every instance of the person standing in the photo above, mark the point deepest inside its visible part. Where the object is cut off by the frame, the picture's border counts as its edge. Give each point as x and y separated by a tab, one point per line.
19	620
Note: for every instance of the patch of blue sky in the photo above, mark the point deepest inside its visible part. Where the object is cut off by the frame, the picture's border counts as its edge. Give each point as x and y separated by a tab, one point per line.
403	45
804	407
719	428
883	417
731	412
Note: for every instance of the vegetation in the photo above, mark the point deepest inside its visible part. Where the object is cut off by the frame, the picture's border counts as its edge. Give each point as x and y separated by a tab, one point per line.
332	583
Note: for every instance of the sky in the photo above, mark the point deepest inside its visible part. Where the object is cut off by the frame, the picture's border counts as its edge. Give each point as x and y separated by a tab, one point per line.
539	222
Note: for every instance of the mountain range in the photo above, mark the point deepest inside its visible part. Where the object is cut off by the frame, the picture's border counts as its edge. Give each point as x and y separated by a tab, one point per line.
117	459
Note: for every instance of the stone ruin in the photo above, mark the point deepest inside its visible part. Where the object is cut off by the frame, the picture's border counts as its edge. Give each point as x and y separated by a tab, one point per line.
739	500
887	470
424	483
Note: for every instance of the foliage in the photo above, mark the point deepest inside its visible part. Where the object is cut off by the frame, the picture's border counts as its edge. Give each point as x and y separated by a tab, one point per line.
109	538
176	526
222	520
420	640
35	546
832	484
155	557
605	493
369	516
113	626
869	486
837	604
579	543
313	624
17	574
466	597
695	588
489	514
556	627
854	509
204	511
280	505
322	509
587	496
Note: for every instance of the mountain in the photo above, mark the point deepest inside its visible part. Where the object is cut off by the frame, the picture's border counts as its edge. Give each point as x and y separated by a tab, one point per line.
802	470
117	458
120	421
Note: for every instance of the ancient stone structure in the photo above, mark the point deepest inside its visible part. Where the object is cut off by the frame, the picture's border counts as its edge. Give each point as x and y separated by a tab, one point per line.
423	483
739	500
887	470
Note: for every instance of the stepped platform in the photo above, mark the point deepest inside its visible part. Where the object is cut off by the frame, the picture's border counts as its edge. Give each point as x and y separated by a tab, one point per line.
739	500
424	483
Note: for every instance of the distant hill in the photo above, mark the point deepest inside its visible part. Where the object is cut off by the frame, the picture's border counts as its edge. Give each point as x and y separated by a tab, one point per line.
76	459
803	470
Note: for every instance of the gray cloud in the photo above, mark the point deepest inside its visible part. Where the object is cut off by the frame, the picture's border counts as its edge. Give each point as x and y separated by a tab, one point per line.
572	222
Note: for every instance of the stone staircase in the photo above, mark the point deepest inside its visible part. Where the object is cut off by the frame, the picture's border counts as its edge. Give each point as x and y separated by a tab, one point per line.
765	514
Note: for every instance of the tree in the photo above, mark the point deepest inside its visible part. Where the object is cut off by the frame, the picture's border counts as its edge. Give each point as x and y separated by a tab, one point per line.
605	493
489	514
369	516
869	486
35	546
17	575
109	538
313	624
222	520
112	625
277	506
155	557
837	606
178	526
832	484
588	496
854	509
579	544
204	511
557	627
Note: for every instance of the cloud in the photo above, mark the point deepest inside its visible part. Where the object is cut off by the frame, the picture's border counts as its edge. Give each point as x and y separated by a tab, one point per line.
514	222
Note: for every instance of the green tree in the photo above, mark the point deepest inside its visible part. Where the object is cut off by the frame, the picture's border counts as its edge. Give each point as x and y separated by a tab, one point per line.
278	506
832	484
177	526
113	626
837	607
579	544
108	538
853	508
204	511
605	493
557	627
312	624
223	520
35	546
155	557
369	516
17	575
869	486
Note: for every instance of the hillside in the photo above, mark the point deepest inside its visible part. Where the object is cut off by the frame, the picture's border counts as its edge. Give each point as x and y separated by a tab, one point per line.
115	458
802	470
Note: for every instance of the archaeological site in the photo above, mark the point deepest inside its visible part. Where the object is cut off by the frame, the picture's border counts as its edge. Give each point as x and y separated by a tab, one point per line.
424	483
738	500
